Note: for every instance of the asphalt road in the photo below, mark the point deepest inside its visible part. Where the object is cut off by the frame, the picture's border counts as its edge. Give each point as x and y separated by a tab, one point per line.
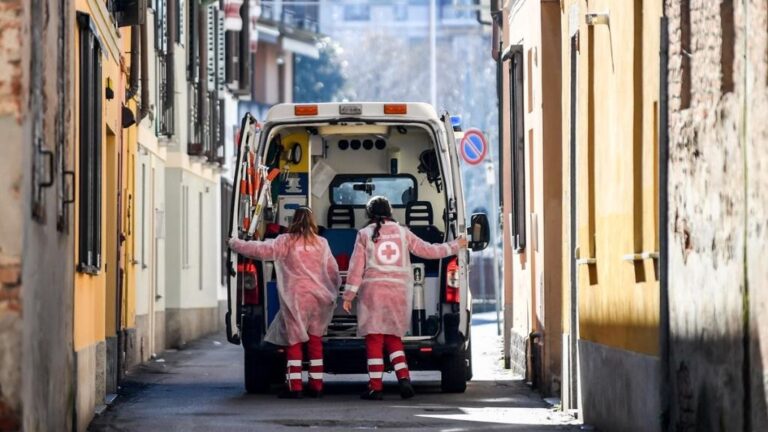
200	389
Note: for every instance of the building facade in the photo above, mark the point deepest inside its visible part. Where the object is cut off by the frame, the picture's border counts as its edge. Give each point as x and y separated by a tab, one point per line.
718	102
532	191
120	119
580	102
36	320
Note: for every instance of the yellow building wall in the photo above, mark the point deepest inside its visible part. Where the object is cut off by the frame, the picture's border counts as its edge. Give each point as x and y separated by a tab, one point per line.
616	190
130	149
90	296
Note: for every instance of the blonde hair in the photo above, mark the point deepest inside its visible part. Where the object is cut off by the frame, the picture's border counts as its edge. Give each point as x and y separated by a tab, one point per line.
303	226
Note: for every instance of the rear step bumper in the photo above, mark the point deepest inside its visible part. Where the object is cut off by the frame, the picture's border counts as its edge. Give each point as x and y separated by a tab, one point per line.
347	356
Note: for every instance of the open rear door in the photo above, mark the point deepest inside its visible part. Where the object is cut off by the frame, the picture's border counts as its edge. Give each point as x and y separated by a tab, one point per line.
248	138
456	205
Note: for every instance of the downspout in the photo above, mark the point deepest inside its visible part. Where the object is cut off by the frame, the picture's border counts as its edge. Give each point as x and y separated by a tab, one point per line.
477	15
664	331
497	16
144	103
496	48
133	83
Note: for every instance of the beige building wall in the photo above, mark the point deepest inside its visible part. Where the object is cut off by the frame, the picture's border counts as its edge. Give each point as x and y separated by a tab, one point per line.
534	29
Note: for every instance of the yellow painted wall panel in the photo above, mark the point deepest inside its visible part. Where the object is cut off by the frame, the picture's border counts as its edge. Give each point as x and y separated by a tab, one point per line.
617	211
91	320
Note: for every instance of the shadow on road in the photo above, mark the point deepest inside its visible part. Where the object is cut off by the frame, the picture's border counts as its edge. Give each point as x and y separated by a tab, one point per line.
200	388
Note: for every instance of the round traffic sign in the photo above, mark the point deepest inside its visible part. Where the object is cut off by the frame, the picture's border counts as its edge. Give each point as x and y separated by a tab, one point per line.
473	146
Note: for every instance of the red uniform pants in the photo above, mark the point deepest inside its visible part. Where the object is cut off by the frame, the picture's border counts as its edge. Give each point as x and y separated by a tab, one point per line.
375	344
293	355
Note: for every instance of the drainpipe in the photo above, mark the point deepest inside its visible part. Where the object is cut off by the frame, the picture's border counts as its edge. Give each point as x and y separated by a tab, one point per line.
478	14
664	331
144	105
133	83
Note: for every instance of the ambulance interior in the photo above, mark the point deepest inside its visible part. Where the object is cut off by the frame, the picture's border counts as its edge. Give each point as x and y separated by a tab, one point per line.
335	169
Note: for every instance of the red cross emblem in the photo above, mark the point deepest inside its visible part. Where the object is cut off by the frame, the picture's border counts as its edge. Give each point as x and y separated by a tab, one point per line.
388	252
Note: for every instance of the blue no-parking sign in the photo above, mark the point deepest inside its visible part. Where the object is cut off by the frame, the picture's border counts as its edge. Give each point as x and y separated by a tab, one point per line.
473	146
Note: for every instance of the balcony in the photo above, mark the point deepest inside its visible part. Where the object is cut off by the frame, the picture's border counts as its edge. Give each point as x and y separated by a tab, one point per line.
292	18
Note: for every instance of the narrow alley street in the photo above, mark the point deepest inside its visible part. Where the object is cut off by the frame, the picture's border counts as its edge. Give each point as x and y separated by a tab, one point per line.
200	388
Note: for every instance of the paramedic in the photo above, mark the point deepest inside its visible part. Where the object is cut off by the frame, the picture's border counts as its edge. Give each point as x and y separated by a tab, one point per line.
380	273
307	282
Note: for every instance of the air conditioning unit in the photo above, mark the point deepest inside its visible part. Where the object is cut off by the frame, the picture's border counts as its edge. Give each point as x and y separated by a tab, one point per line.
129	12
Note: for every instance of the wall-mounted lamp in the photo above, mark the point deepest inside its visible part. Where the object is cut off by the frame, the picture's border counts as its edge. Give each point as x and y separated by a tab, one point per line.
128	118
598	19
109	92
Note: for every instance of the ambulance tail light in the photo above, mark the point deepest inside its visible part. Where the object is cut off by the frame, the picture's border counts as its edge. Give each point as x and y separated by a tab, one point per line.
395	108
246	272
452	282
305	110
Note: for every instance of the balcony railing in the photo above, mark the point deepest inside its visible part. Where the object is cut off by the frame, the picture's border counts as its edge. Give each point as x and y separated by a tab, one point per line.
300	17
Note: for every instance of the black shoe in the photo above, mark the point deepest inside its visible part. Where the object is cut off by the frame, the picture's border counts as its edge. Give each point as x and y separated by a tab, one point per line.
372	395
312	393
287	394
406	389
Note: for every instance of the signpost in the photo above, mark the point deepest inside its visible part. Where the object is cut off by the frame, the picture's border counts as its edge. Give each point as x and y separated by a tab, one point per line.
473	147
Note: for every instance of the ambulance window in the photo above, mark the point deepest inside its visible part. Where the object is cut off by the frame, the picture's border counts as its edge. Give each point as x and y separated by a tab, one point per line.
356	190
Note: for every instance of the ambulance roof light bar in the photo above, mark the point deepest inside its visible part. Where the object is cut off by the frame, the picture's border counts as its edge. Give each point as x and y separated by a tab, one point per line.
305	110
395	109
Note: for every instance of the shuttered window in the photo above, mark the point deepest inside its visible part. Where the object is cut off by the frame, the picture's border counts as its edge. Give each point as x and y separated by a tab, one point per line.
90	141
517	141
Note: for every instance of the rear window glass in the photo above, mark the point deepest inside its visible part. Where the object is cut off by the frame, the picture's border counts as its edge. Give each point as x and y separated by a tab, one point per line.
356	190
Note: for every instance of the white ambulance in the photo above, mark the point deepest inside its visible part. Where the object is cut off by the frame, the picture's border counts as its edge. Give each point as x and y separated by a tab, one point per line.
333	157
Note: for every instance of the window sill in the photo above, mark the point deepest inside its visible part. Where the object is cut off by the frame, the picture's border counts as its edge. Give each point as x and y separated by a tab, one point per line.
87	269
640	256
586	261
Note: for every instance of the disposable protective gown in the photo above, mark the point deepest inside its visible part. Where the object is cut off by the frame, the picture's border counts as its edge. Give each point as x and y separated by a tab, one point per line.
307	284
380	274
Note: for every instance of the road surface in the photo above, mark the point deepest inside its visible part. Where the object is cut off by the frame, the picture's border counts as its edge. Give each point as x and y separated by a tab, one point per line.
200	389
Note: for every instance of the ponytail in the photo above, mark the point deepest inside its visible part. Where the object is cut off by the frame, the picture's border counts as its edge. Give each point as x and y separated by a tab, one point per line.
379	211
379	220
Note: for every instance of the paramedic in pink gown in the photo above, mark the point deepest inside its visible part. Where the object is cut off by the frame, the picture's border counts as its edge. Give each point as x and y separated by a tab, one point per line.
308	284
380	275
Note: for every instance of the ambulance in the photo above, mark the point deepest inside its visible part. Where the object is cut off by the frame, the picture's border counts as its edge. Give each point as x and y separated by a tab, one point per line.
333	157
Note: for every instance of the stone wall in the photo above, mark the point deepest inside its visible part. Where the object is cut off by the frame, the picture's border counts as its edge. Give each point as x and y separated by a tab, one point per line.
717	214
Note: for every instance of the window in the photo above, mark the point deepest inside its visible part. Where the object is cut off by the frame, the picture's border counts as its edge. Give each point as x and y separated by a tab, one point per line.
728	45
200	240
357	12
184	226
356	190
89	185
179	21
400	12
685	53
143	213
517	140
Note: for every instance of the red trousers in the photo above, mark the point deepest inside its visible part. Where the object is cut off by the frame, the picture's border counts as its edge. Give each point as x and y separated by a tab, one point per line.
375	344
293	355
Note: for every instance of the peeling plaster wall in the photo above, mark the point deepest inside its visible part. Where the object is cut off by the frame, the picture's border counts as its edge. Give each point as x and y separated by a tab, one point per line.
35	353
717	213
11	196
